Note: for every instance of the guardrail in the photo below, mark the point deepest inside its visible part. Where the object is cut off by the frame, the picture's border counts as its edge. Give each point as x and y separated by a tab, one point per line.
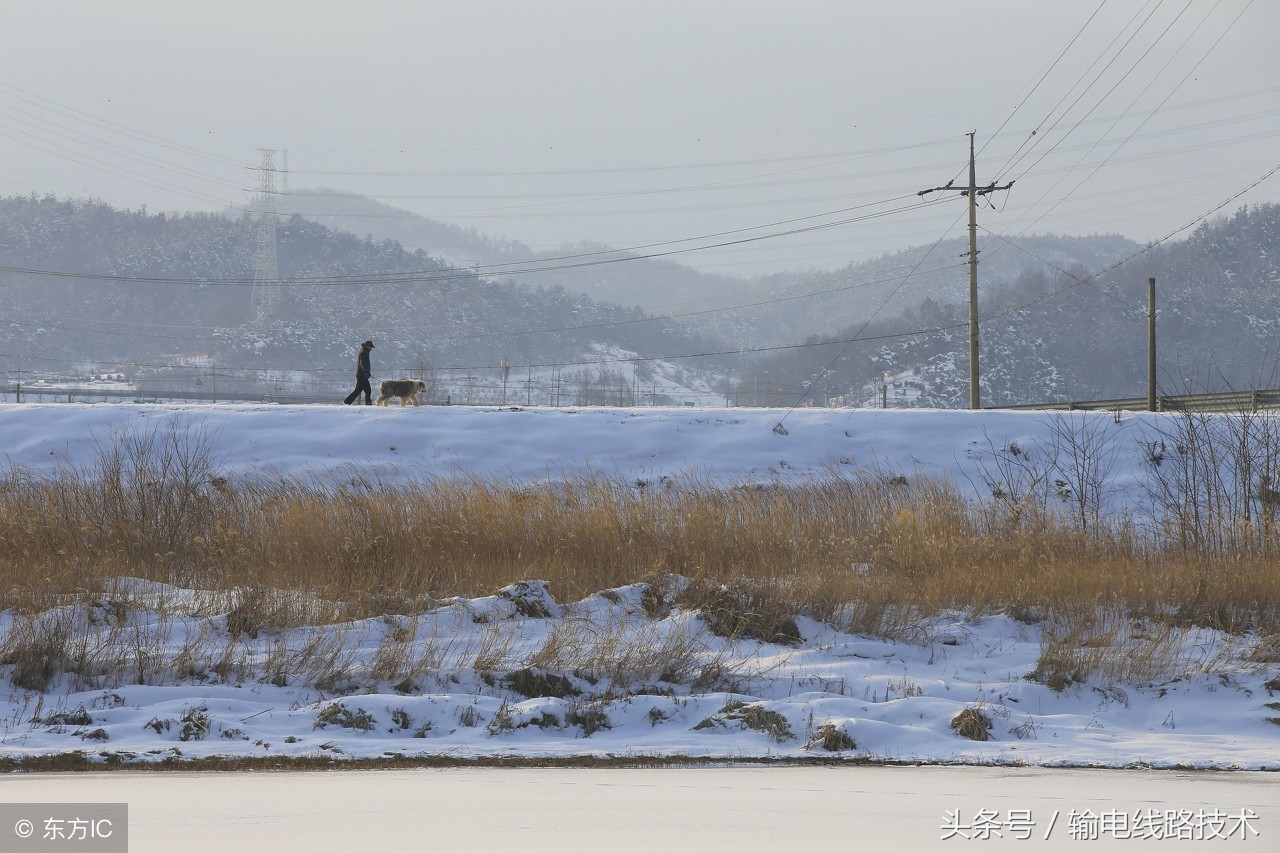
1222	401
41	394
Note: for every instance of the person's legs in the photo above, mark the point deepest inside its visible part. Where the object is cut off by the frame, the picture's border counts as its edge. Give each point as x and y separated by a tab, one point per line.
362	384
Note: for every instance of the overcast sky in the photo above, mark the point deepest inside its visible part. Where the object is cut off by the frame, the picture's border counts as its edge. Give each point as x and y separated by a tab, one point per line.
654	122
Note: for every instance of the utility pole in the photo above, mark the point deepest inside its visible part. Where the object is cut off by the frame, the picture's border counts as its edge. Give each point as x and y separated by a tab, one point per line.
972	191
1151	345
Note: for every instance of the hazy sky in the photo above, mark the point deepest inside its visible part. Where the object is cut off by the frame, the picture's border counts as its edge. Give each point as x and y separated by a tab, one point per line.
656	122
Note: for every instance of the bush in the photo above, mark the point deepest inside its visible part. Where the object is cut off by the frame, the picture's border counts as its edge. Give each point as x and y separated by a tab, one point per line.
832	738
972	723
533	684
338	714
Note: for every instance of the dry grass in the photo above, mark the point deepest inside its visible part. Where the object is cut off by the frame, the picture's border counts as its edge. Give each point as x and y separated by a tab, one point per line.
972	723
1112	646
869	550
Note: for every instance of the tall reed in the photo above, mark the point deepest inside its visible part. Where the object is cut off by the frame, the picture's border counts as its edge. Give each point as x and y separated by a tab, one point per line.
862	545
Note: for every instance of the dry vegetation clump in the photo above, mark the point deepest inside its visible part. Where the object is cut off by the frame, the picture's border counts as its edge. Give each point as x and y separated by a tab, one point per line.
39	647
750	716
1117	647
590	716
532	683
832	738
746	611
338	714
972	723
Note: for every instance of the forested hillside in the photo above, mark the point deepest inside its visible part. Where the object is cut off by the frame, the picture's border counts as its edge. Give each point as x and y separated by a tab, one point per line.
1058	332
169	299
150	292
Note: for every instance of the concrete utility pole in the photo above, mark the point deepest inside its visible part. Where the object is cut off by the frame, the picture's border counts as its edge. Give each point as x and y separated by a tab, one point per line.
972	191
1151	345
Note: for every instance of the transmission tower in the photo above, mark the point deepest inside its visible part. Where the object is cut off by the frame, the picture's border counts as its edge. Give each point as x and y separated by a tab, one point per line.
266	269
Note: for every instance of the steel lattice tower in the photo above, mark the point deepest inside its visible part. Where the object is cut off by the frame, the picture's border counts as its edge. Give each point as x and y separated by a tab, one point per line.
266	269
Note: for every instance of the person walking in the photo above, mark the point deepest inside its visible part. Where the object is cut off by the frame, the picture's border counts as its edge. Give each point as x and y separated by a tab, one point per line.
364	372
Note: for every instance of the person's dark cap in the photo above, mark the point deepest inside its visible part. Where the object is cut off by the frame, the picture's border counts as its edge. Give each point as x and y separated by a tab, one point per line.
369	344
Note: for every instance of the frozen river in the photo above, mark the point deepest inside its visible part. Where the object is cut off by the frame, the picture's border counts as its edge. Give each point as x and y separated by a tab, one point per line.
712	808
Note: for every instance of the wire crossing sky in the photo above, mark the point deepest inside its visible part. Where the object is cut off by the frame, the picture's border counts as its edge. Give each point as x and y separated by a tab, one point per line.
628	124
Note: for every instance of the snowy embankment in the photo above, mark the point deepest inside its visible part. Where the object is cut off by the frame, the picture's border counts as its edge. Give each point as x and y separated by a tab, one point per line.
513	444
652	685
621	673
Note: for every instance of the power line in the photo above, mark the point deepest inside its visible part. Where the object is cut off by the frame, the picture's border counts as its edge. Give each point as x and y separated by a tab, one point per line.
846	155
1153	244
1008	168
70	112
779	428
1043	77
418	277
1152	113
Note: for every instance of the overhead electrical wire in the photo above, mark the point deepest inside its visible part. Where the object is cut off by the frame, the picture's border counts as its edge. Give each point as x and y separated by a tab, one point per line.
1153	112
1130	70
428	276
105	165
508	334
808	389
841	156
98	144
514	267
89	149
1147	248
1036	137
1219	142
1062	53
70	112
1008	242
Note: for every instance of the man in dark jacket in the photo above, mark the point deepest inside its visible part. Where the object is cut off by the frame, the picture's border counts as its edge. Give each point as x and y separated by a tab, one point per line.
364	372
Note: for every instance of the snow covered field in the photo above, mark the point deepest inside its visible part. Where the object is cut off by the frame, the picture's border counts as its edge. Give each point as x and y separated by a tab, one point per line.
524	444
834	695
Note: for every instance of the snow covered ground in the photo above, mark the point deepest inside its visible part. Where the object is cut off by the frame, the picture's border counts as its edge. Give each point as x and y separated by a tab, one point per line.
518	444
834	695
